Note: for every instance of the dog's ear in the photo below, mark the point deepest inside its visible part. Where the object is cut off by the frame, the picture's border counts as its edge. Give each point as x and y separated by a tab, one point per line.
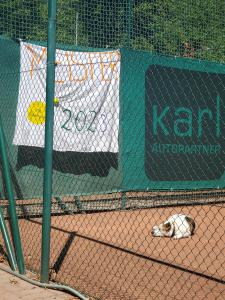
167	226
191	223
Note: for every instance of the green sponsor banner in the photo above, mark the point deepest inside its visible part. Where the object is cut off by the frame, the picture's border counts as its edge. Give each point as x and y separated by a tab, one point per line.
172	122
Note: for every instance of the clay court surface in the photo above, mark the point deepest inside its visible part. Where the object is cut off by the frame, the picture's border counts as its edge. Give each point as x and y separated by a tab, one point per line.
111	255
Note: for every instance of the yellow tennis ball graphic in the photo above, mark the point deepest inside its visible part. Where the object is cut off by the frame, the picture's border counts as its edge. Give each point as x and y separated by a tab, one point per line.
56	101
36	112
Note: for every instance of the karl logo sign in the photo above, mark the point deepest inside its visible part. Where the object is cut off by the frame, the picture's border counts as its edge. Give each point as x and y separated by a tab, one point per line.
184	119
184	127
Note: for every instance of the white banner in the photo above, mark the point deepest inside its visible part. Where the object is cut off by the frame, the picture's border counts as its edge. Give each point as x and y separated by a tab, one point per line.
86	111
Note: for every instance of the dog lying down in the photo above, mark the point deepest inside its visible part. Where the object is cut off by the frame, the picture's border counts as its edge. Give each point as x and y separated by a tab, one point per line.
177	226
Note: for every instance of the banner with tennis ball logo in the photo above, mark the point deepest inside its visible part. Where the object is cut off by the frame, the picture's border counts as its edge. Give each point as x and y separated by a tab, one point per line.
86	104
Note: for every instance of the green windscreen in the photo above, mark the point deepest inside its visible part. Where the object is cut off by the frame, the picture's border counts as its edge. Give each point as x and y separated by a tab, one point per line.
172	122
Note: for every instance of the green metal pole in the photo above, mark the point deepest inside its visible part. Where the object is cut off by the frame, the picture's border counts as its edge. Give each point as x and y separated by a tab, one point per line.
123	200
12	207
8	245
49	123
130	6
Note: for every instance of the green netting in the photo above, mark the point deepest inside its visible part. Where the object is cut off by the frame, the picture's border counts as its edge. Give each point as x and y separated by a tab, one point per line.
184	28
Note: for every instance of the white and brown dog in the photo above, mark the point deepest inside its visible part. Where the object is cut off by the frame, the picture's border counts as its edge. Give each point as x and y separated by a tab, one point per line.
178	226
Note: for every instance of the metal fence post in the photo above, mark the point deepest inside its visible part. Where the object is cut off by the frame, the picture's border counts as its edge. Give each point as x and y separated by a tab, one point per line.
130	5
123	200
12	207
8	245
49	123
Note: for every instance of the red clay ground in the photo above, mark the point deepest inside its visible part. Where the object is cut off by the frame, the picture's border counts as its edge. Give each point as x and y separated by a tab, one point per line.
112	255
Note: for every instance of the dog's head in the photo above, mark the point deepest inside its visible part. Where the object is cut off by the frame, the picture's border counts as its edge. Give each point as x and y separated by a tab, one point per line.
164	229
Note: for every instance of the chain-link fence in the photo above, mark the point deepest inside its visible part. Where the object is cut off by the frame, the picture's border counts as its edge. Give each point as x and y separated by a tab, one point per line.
138	139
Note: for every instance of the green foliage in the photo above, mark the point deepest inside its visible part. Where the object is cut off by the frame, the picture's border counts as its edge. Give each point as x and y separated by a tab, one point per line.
179	28
23	19
183	28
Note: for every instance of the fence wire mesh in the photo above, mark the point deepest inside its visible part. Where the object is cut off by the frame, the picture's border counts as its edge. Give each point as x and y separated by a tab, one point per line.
138	138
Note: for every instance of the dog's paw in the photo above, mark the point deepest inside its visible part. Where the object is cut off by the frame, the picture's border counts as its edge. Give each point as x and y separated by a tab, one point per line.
177	237
180	236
